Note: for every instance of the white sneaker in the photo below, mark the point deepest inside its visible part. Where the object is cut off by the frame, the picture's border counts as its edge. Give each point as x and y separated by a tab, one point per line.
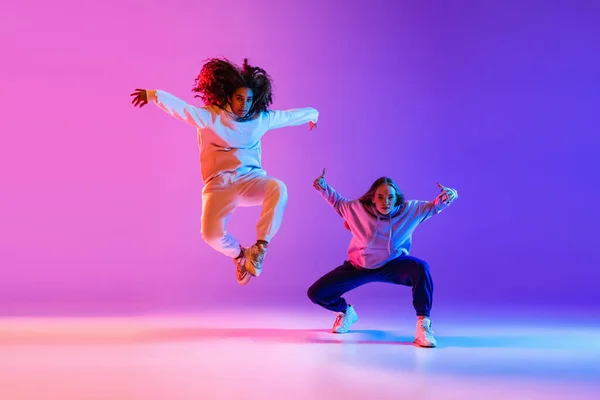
345	320
241	274
424	336
254	256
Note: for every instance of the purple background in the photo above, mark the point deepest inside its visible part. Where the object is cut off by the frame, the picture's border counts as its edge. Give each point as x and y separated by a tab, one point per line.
100	202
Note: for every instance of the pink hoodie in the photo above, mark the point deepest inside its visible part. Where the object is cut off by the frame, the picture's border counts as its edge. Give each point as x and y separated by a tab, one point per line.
378	239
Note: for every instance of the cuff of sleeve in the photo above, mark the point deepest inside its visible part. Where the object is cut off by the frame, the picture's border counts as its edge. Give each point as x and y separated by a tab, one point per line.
152	96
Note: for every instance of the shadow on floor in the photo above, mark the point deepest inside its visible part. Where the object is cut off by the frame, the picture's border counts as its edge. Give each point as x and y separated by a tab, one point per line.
276	335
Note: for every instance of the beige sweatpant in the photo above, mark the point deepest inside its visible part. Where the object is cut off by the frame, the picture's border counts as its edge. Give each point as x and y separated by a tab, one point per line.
223	194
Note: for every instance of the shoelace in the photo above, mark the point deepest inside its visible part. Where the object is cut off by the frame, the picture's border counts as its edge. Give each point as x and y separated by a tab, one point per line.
260	252
260	256
426	327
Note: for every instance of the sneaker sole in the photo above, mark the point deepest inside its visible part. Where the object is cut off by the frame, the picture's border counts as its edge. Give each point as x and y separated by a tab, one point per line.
428	346
347	330
244	281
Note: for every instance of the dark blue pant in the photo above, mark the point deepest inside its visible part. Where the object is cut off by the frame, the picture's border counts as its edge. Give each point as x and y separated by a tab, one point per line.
405	270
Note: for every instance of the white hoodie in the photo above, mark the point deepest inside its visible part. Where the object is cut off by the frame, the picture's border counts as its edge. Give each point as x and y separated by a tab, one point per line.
226	144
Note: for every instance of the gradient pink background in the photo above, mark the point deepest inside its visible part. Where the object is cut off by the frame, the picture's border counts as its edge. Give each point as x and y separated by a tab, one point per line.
100	202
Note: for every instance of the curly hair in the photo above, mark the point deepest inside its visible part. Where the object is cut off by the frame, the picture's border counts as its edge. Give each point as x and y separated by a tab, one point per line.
219	78
367	198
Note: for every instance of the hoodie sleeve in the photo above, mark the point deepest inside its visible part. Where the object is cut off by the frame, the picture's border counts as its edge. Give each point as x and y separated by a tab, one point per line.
427	209
294	117
340	204
179	109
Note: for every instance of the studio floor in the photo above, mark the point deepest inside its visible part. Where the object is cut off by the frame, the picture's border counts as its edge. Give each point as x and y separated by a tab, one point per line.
266	354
